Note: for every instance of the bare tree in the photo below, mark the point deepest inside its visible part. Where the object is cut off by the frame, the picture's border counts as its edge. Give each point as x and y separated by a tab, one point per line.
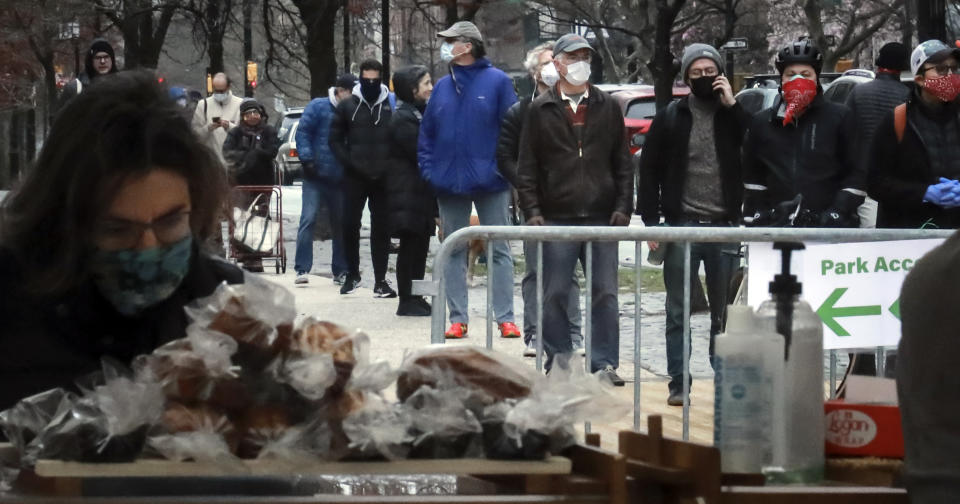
210	20
840	30
286	61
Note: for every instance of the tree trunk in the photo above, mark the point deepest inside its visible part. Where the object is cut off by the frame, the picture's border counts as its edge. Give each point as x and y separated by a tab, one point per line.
215	28
662	65
907	25
452	13
320	19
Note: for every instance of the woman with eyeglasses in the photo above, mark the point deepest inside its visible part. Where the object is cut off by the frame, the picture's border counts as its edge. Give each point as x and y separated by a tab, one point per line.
916	151
100	243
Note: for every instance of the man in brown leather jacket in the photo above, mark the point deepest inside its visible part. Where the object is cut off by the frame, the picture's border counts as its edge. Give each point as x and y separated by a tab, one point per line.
575	171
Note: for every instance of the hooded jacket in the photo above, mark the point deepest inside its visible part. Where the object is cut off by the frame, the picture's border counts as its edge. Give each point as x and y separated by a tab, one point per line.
563	176
48	343
902	173
458	138
360	134
250	151
410	199
813	157
89	75
313	139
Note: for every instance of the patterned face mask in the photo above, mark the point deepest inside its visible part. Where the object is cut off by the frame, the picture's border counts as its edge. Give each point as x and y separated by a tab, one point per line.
946	88
133	280
798	93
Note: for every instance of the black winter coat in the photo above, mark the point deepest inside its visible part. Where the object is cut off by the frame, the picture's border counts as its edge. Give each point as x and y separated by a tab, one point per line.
902	174
48	343
663	161
508	144
869	103
250	154
561	177
410	199
813	157
360	137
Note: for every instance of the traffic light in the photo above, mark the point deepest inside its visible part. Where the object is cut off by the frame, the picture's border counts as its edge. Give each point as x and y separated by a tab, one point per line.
252	74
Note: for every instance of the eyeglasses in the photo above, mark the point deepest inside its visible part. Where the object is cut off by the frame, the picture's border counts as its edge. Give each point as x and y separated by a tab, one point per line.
101	59
943	70
696	73
570	58
118	234
251	112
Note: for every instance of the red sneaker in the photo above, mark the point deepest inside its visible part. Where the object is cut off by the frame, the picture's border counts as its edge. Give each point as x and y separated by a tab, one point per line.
509	330
456	331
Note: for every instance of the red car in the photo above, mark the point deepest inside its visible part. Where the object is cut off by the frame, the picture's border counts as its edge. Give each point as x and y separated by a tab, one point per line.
638	105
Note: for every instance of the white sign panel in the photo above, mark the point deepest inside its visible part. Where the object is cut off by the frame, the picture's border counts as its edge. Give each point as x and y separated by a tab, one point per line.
853	287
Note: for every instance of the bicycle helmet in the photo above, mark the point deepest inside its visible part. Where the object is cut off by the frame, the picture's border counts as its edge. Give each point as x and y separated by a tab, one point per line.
801	51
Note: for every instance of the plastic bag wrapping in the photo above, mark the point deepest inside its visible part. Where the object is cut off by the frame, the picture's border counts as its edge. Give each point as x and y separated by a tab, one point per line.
568	395
315	337
27	419
81	433
495	375
375	485
128	404
258	314
443	426
367	375
304	443
309	375
197	368
199	446
379	429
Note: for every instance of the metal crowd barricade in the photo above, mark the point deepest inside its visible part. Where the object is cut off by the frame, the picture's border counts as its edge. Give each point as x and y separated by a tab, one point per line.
685	235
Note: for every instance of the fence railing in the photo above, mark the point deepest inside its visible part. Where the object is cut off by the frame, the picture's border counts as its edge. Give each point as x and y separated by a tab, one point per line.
686	235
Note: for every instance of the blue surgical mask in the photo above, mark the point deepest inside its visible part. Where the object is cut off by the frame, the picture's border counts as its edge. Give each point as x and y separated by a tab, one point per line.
446	52
133	280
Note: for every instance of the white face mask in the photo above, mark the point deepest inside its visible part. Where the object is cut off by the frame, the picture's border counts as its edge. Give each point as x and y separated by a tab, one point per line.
446	52
578	73
220	97
549	75
182	102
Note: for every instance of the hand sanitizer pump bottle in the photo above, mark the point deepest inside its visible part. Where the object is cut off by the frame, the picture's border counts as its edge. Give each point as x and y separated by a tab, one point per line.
798	450
748	367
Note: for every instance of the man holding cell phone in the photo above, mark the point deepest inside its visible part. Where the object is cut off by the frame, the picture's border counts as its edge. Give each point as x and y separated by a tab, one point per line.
690	173
216	114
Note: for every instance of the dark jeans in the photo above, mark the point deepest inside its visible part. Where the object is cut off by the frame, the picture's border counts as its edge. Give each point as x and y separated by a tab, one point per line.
315	193
528	288
356	192
411	261
719	261
559	261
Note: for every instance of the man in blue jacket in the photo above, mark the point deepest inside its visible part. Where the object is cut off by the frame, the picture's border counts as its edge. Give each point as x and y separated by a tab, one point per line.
321	179
457	155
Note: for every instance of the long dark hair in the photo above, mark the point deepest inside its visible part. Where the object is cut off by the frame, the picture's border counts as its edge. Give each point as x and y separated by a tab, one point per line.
120	129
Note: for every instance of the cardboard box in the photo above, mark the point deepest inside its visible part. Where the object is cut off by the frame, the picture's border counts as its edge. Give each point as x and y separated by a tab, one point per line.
863	429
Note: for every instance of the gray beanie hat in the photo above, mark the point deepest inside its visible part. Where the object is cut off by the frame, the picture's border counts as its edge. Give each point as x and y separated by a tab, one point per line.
693	52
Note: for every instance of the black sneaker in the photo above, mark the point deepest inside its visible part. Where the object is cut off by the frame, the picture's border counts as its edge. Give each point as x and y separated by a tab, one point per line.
382	289
350	284
339	279
409	307
611	374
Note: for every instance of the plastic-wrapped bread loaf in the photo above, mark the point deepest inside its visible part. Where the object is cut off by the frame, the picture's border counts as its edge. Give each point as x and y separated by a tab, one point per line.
495	375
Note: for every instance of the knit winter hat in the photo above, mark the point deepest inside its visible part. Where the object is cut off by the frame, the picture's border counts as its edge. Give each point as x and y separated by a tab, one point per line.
893	55
693	52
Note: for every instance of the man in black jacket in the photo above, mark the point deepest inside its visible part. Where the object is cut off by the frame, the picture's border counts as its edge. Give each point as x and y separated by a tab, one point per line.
539	64
870	103
575	170
801	151
360	139
916	168
690	171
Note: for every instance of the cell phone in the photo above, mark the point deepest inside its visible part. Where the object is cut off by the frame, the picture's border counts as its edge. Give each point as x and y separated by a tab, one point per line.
216	119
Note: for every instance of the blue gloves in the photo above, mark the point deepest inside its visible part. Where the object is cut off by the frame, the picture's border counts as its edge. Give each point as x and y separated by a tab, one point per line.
946	194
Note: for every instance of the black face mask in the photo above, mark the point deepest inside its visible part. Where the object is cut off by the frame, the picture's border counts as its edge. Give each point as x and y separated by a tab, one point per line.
370	90
703	87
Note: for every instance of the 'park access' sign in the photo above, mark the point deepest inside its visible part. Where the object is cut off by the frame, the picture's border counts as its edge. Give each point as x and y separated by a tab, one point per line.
853	287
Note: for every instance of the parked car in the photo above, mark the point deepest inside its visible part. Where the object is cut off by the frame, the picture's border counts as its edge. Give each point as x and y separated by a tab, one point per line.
639	106
288	161
841	88
754	100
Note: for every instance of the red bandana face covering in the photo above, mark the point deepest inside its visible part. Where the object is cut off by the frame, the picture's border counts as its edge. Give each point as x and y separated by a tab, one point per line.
945	88
798	93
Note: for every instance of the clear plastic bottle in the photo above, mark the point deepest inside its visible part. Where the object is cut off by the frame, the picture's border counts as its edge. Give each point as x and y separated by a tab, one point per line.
798	449
748	366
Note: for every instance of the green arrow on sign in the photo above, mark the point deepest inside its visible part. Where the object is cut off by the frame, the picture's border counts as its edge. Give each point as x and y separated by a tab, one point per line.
828	312
895	308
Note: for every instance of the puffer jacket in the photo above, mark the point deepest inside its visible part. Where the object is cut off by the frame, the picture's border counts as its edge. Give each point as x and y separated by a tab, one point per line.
457	147
313	139
360	135
410	199
869	103
508	145
812	157
564	177
902	173
49	343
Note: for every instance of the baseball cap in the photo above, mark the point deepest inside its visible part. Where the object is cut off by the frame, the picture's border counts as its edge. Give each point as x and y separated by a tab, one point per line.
931	51
569	43
461	29
346	81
